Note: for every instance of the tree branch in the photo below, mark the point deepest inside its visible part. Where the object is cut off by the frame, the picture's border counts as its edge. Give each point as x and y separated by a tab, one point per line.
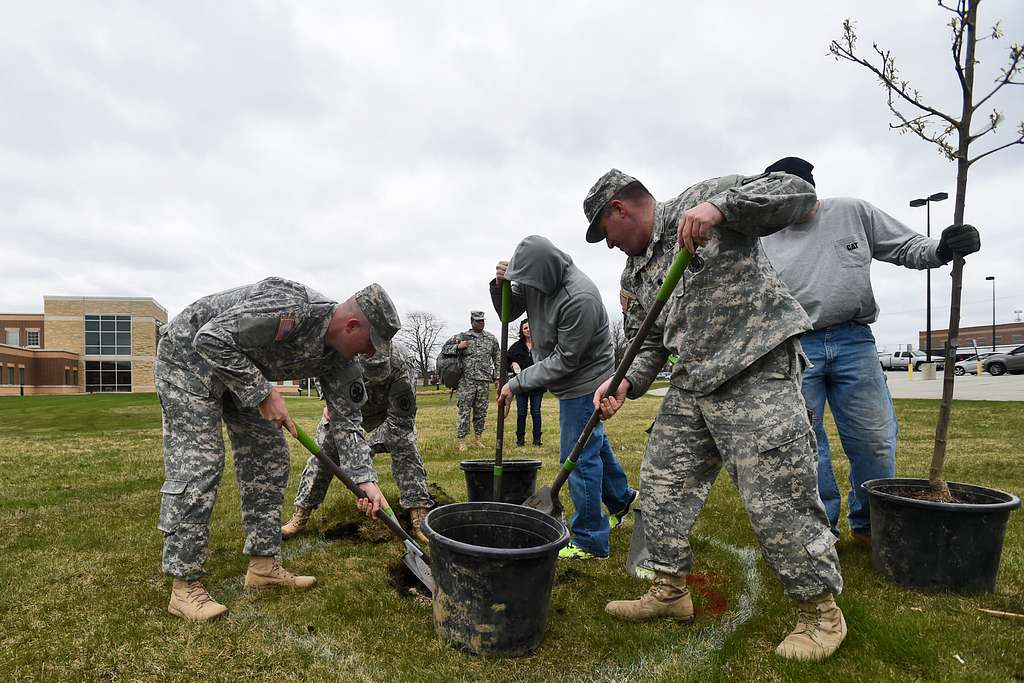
1016	62
888	74
1018	141
994	119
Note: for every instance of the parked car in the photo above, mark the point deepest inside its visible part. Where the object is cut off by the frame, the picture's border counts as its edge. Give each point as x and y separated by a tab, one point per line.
1001	363
899	360
969	366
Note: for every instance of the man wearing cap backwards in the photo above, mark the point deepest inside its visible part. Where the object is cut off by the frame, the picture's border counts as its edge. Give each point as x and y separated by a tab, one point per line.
573	353
824	258
481	360
389	417
215	362
734	399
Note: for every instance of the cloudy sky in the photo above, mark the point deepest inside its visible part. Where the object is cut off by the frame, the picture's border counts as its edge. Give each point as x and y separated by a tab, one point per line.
176	149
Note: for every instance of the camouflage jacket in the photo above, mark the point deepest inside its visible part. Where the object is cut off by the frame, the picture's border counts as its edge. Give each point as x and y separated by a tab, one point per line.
482	360
271	330
730	308
390	398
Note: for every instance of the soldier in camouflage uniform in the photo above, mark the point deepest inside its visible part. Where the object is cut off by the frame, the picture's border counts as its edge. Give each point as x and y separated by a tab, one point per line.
481	359
215	361
389	415
735	397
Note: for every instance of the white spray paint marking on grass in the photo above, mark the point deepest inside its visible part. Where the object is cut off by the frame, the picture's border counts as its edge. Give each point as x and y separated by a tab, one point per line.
691	655
695	653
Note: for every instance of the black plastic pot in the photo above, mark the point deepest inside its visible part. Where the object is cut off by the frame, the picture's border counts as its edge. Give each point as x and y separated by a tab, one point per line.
493	567
938	546
518	479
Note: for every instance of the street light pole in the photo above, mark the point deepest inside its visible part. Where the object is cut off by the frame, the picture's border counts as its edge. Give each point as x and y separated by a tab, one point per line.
927	203
993	279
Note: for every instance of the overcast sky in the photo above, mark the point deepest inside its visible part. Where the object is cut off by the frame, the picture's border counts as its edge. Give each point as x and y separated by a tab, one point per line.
175	149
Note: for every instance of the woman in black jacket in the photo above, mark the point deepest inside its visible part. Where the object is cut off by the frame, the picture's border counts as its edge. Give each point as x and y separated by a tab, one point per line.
520	358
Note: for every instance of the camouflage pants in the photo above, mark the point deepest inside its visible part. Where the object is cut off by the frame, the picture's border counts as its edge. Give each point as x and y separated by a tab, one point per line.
193	464
406	467
474	396
755	426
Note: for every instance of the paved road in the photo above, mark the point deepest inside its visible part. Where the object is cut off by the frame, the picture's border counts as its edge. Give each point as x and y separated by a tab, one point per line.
967	388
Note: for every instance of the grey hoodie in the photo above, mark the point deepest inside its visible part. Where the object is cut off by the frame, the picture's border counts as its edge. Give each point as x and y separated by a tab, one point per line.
572	343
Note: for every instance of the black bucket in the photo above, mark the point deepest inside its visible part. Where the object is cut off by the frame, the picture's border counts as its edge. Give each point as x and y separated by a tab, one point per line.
518	479
935	546
493	567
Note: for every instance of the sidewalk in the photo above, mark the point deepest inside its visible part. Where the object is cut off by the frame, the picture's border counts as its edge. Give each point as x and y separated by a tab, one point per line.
967	387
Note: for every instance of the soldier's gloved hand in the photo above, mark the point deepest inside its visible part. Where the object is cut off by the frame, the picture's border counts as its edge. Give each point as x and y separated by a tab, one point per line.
499	271
505	398
374	501
464	344
609	405
695	225
958	239
273	408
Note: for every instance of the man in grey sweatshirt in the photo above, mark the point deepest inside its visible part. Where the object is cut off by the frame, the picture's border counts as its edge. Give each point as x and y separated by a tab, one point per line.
825	261
573	354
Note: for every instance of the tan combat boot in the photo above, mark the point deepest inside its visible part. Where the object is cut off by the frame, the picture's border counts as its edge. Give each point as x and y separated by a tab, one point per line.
461	441
820	628
189	600
416	517
265	572
300	517
668	597
478	442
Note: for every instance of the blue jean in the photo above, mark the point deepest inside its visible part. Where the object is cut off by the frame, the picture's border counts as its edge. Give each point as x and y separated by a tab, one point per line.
597	478
846	373
531	402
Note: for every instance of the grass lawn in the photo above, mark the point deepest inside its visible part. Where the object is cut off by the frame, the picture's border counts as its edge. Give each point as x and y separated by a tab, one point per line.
83	597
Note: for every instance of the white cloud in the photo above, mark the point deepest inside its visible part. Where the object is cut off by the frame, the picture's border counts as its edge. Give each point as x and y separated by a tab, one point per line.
175	150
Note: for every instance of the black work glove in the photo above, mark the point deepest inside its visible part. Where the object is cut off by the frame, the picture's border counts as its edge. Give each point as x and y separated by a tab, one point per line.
958	240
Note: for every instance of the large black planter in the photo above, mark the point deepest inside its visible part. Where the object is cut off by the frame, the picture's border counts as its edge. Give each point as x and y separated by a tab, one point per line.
938	546
518	480
493	567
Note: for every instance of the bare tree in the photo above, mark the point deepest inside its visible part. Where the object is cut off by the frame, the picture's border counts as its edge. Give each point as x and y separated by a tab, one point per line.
619	341
913	114
420	332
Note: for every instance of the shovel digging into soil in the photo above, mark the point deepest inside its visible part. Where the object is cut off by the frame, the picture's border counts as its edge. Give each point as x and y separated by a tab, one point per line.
414	558
546	500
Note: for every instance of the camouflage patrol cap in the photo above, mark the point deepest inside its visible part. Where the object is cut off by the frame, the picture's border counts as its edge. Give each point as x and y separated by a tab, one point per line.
476	315
378	308
599	196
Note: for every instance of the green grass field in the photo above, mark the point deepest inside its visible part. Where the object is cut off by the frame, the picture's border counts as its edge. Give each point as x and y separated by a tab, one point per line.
83	597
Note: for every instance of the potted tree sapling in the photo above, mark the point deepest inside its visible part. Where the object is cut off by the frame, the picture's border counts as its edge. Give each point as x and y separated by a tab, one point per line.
932	534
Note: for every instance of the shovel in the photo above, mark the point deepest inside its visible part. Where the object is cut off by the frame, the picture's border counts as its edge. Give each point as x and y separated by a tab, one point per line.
499	442
414	558
546	500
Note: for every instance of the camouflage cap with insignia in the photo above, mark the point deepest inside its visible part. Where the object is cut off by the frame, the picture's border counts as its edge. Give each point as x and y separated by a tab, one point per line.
380	311
476	315
598	197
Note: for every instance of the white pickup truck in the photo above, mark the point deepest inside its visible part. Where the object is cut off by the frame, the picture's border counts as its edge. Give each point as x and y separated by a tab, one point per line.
898	360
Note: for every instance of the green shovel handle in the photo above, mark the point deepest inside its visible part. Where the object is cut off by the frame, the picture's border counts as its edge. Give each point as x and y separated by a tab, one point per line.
311	446
668	284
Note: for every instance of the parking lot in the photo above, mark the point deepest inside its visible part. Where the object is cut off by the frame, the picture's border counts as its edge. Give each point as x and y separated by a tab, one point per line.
967	388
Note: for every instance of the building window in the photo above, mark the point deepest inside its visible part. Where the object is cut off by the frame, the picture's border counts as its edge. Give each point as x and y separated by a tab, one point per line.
108	375
32	338
13	338
21	376
67	375
10	375
108	335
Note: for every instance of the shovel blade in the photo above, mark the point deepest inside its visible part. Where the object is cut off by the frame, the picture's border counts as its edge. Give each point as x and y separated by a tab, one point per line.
638	552
413	559
543	501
